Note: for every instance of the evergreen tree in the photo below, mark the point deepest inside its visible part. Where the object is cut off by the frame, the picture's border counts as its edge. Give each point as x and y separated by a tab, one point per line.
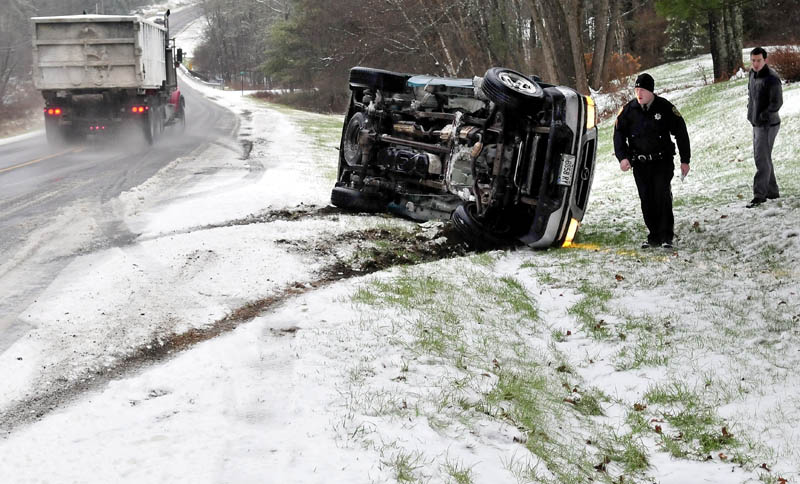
723	21
685	39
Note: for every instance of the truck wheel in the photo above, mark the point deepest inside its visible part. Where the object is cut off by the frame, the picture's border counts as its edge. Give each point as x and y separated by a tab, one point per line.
357	201
474	231
351	150
511	90
54	132
182	115
378	79
160	120
149	125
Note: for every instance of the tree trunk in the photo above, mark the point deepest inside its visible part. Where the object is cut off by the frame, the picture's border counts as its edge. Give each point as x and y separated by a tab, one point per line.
551	73
733	38
573	15
601	40
614	36
725	39
7	66
521	25
462	31
559	27
716	37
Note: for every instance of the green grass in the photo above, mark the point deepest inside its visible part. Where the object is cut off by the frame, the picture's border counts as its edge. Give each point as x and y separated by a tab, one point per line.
643	352
480	326
589	404
692	427
607	236
586	310
630	453
458	472
671	393
405	464
407	291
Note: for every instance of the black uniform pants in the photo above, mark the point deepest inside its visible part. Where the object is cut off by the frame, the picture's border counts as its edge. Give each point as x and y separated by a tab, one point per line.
653	180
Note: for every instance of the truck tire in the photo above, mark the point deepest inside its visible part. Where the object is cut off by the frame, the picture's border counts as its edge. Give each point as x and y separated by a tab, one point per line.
356	200
150	127
351	149
511	90
366	77
55	133
476	233
161	116
182	115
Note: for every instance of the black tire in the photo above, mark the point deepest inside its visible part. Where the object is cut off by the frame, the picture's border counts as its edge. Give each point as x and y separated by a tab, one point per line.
357	201
160	120
150	127
351	149
55	133
511	90
476	233
182	115
366	77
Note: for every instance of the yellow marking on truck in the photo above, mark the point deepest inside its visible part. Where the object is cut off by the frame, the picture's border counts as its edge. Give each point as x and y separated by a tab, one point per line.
21	165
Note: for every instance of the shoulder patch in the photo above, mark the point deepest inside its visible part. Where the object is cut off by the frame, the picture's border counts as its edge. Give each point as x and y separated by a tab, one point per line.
676	112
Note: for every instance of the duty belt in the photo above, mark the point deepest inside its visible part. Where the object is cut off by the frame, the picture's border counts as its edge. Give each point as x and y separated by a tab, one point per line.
649	157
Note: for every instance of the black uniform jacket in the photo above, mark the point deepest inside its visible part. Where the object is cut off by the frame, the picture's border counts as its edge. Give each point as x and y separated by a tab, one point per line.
765	97
647	134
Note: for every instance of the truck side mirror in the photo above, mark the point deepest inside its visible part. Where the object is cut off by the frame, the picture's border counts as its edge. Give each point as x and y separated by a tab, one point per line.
179	56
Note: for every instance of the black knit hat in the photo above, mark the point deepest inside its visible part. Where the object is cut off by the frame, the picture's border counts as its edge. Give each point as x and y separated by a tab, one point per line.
645	81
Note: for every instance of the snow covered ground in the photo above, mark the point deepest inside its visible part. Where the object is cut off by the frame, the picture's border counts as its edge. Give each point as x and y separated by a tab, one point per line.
599	362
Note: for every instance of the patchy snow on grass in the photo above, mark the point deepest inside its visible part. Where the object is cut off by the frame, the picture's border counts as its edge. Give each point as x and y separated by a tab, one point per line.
601	362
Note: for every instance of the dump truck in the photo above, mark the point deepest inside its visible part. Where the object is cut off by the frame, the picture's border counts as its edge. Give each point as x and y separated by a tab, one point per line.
106	73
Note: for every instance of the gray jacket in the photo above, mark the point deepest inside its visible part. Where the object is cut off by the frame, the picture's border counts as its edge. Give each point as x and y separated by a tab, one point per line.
765	97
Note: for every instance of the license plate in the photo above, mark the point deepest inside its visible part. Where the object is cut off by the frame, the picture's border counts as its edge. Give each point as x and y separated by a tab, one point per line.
567	170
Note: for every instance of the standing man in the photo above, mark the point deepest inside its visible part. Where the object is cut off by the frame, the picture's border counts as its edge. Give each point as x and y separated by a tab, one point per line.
642	142
764	100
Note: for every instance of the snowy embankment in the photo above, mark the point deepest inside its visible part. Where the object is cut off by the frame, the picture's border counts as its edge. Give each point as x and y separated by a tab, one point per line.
598	362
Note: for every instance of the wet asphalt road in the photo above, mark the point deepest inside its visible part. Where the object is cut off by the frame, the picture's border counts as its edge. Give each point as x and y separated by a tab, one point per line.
38	182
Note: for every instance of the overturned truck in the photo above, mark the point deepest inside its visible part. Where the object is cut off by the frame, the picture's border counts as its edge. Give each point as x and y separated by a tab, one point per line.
102	73
504	156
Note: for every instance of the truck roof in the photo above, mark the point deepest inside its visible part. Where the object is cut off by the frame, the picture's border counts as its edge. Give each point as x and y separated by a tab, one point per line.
94	18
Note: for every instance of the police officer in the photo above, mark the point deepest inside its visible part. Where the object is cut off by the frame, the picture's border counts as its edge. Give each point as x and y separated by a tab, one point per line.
642	142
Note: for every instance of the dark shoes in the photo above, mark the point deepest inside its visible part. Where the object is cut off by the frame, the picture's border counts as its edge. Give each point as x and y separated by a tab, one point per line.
755	202
664	245
773	197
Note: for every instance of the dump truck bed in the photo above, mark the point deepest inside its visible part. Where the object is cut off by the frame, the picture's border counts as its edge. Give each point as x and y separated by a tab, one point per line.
97	52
